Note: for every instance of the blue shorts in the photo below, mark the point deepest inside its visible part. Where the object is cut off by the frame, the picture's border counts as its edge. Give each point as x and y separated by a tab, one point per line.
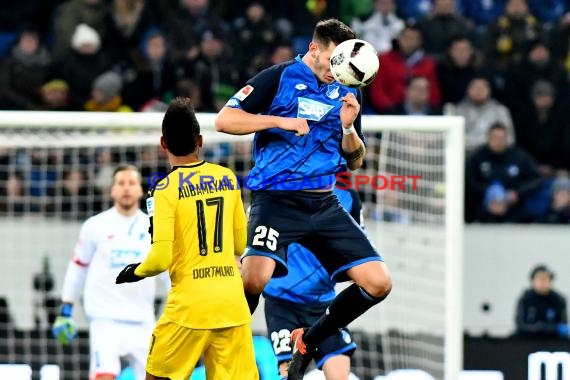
315	220
282	317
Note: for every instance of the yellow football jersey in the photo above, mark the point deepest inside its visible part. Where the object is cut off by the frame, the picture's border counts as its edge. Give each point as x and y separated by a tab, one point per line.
199	208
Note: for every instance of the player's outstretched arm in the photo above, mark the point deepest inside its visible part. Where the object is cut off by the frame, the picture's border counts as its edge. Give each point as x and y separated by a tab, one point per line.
235	121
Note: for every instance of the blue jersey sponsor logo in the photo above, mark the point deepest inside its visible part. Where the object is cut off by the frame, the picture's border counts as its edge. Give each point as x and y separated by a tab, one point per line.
312	110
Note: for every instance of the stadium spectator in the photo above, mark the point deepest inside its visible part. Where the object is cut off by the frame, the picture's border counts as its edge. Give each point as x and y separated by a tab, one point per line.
499	179
480	111
559	208
55	96
187	27
43	177
12	195
73	197
152	76
213	71
541	311
405	61
125	25
69	15
106	94
14	15
540	125
379	27
483	12
456	70
537	64
559	40
507	39
414	10
304	15
440	26
350	9
23	72
80	67
548	11
416	101
254	37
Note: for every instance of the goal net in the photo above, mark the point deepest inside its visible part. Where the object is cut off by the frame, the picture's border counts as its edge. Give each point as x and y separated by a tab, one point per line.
55	171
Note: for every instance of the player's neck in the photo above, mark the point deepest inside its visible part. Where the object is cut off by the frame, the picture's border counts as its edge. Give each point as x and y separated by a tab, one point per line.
183	160
128	212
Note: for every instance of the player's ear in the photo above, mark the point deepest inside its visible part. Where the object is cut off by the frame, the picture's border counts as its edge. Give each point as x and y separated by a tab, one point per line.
163	143
199	141
313	47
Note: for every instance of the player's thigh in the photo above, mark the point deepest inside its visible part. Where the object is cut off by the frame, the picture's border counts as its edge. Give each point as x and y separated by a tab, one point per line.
135	344
230	354
339	344
276	219
174	350
372	276
104	349
257	270
339	242
337	368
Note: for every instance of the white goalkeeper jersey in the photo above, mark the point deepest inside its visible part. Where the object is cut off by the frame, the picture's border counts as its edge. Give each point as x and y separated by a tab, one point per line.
107	242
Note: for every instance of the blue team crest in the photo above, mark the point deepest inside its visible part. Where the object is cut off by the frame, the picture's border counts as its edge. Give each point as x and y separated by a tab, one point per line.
333	91
311	109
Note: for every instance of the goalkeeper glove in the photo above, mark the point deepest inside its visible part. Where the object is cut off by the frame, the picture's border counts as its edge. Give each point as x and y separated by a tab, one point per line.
128	274
63	328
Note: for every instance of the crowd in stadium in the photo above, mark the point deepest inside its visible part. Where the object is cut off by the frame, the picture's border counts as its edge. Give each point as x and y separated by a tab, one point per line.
500	63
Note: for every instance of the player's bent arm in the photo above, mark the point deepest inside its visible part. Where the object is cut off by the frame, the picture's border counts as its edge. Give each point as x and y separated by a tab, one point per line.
157	261
235	121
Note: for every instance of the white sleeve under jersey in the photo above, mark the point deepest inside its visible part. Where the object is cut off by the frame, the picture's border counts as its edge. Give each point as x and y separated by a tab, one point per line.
108	242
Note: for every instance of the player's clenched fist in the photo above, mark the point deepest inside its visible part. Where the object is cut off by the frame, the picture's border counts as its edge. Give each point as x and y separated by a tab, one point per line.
349	110
299	126
63	328
128	274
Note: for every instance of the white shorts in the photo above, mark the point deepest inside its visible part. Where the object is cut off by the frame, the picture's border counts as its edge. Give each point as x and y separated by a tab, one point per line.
111	340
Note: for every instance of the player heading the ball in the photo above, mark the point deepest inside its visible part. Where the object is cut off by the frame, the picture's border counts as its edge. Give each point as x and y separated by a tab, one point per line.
307	126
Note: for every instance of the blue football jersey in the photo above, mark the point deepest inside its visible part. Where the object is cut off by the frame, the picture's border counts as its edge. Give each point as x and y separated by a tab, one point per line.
283	160
307	281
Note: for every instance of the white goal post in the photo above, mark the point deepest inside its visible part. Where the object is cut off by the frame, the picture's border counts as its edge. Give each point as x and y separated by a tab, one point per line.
436	144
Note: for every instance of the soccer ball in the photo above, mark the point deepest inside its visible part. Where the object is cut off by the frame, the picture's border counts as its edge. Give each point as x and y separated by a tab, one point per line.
354	63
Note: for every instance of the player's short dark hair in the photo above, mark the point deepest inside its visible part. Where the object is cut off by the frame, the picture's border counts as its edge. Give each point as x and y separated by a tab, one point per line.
125	167
180	128
332	30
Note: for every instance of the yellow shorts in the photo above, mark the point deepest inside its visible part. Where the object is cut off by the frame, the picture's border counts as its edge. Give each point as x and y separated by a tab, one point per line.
227	353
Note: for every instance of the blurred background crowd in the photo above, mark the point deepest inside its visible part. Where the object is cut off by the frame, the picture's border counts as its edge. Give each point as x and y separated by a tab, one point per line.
504	65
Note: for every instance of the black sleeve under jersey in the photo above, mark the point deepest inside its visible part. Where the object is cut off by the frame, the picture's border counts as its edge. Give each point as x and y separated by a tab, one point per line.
264	87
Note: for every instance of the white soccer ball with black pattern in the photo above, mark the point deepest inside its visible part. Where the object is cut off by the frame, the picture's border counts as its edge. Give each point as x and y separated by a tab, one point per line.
354	63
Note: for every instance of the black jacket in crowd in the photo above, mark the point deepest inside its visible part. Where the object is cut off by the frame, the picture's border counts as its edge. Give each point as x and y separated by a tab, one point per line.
538	316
